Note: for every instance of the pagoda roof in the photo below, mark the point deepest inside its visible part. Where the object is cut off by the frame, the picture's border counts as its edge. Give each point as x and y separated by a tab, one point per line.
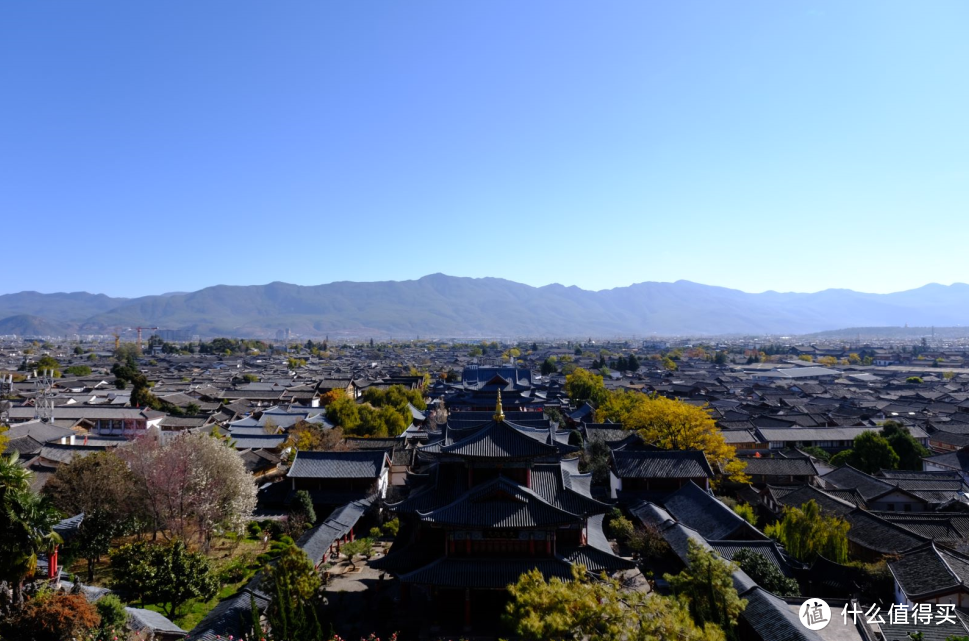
499	440
501	503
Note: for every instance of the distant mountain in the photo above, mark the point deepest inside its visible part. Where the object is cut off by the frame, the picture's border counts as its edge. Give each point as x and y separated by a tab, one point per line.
447	306
27	325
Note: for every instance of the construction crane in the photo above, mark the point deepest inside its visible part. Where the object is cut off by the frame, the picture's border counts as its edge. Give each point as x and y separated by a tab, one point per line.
139	335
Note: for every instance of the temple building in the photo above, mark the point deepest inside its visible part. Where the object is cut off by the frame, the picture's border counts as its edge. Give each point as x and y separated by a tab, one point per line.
492	500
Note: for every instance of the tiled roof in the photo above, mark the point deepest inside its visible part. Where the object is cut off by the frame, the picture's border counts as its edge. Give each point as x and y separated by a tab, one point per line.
501	503
848	477
678	464
499	440
765	466
335	465
876	534
929	570
697	509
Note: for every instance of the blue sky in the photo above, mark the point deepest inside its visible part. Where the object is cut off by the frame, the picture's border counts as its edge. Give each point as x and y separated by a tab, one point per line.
155	146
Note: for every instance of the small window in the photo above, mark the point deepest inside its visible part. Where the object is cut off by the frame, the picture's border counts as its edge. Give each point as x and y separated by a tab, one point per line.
908	507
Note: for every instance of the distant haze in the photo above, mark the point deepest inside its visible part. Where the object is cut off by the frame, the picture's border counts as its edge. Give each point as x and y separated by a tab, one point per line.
454	307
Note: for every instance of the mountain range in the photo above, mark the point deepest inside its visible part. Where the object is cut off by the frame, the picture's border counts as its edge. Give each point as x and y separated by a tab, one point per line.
456	307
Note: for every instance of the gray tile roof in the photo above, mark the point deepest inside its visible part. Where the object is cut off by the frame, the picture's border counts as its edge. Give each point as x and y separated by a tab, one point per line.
931	569
336	465
697	509
501	503
677	464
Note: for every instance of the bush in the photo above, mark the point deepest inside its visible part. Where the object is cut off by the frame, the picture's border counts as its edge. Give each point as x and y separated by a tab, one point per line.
52	616
375	533
391	528
621	529
254	530
113	617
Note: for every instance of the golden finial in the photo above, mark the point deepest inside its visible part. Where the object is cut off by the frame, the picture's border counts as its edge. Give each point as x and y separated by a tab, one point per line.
499	413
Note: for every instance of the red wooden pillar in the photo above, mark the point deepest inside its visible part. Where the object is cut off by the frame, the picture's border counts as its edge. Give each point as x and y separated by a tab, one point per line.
467	608
531	547
351	534
52	564
528	478
467	546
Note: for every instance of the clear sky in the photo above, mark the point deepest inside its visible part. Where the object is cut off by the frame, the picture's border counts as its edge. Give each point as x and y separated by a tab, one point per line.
151	146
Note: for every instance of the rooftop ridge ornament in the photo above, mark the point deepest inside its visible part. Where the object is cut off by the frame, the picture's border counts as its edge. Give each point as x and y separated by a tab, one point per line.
499	413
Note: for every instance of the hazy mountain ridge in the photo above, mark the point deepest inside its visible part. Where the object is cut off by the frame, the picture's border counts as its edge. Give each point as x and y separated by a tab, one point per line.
447	306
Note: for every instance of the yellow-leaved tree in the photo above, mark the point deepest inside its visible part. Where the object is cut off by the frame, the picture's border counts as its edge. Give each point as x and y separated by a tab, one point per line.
674	425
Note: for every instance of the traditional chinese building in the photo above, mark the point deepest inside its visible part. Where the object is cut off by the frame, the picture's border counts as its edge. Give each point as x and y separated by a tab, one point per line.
490	502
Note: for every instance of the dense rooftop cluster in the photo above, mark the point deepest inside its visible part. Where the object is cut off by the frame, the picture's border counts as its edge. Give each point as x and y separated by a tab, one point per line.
493	464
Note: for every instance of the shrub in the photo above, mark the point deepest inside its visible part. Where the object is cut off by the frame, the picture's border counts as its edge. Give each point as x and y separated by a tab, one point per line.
391	528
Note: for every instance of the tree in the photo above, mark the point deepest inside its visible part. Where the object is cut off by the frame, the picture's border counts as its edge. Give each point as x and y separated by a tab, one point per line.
910	452
113	615
675	425
52	616
344	412
582	385
707	583
806	533
766	574
914	380
669	364
583	608
99	486
192	409
166	575
596	458
26	525
302	509
549	367
78	370
294	585
747	512
362	547
191	483
870	453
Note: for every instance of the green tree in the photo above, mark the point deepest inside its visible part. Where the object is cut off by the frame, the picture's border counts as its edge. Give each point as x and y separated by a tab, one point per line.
78	370
747	512
582	385
910	452
549	367
707	583
358	547
99	486
766	574
870	453
295	586
113	615
26	525
806	533
915	380
166	575
345	413
596	458
303	507
669	364
600	609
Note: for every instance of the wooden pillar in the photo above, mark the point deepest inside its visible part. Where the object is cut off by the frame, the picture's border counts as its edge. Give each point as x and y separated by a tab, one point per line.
351	534
531	547
467	608
528	478
52	564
